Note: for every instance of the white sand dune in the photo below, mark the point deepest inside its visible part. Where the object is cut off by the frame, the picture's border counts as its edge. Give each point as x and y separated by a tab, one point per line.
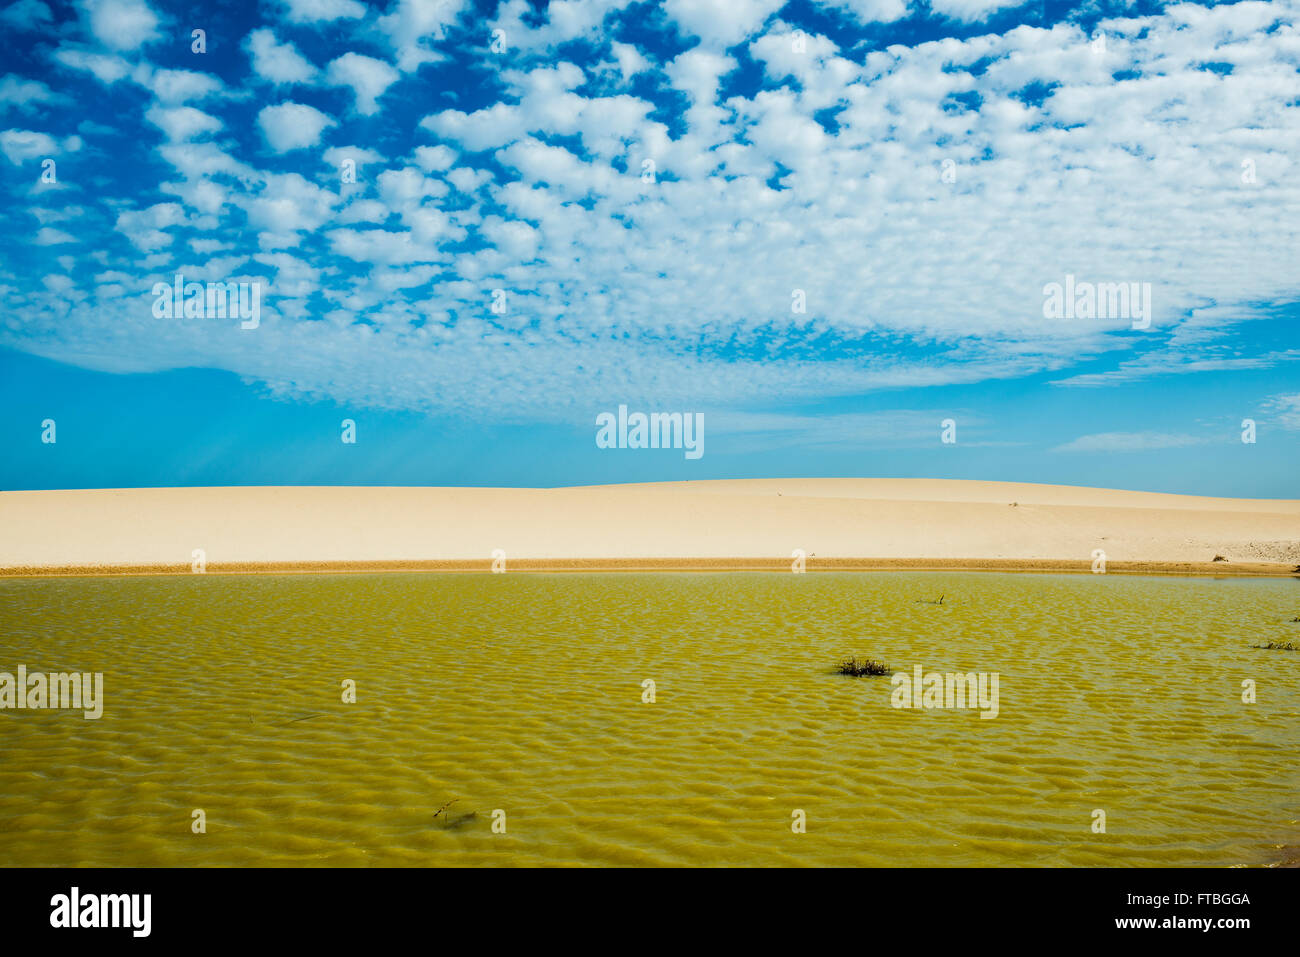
836	522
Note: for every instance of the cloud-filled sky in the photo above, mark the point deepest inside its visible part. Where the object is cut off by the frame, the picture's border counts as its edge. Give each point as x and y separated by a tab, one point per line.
826	224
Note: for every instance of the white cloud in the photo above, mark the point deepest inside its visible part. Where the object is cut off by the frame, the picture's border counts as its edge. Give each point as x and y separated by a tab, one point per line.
106	68
293	277
26	15
720	23
206	247
813	60
322	11
48	236
60	215
565	20
467	180
177	86
698	73
495	125
367	77
21	145
121	25
198	160
552	165
831	180
360	157
287	204
202	195
547	104
972	11
365	211
629	59
898	428
24	95
386	247
291	126
1128	442
412	22
275	61
517	240
434	159
144	227
870	11
182	122
1284	410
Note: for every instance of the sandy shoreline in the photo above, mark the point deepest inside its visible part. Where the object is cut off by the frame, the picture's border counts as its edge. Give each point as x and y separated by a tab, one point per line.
838	524
1215	569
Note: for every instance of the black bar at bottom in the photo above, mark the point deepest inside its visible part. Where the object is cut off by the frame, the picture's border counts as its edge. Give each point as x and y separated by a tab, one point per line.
333	907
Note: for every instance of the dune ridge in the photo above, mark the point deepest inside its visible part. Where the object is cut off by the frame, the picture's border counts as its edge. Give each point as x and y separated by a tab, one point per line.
758	523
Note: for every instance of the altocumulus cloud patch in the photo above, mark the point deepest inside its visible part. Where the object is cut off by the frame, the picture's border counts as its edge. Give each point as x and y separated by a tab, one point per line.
455	210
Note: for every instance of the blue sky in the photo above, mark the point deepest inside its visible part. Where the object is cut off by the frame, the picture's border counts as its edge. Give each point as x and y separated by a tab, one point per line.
653	188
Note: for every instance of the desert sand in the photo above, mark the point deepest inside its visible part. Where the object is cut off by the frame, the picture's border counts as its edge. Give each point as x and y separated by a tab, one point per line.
837	523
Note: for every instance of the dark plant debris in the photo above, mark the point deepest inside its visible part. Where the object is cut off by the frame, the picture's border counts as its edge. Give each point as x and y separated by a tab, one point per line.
867	666
455	823
1278	646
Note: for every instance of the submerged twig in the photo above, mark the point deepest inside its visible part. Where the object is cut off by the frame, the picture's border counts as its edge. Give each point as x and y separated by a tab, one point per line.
314	714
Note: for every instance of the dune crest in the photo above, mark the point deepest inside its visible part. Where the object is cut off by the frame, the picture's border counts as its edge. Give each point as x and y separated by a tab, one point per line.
836	523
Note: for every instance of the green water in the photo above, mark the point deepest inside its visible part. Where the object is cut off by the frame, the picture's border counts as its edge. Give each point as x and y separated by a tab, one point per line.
522	694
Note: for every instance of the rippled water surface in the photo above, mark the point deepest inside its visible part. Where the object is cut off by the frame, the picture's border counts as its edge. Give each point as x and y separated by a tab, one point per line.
523	693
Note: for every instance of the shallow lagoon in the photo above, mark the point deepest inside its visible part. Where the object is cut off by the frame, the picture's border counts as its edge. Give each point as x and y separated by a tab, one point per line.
523	693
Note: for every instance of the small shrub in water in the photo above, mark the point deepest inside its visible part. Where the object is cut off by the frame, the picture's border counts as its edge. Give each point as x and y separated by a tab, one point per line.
867	666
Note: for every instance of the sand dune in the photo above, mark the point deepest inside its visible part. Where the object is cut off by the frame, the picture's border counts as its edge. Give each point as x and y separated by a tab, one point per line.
838	523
